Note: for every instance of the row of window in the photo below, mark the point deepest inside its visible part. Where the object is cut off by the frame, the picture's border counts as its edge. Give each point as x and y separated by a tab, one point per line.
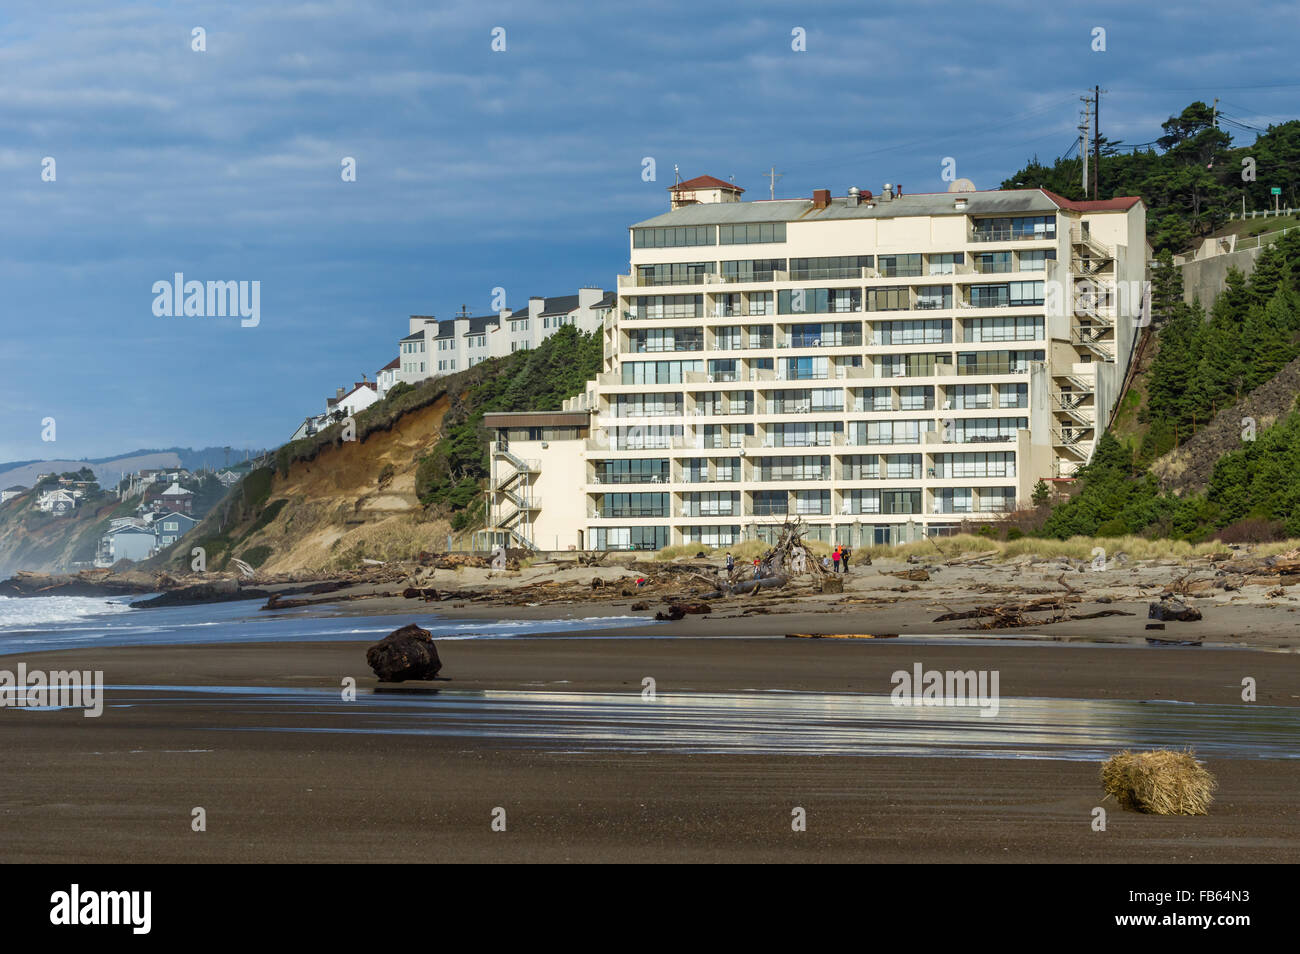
779	503
852	467
691	235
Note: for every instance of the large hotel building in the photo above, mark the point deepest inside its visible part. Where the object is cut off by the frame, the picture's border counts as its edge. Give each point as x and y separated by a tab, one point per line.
882	366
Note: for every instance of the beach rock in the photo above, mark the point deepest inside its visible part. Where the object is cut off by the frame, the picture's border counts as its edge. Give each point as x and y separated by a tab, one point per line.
1173	611
218	591
640	607
832	584
406	653
678	611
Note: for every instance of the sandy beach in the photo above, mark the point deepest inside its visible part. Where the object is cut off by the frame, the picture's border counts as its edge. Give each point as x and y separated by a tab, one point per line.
123	787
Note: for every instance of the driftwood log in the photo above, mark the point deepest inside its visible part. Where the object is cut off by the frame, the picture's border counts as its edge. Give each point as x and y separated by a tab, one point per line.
406	653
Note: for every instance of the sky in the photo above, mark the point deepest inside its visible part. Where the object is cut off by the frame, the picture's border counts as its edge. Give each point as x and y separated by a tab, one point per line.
479	168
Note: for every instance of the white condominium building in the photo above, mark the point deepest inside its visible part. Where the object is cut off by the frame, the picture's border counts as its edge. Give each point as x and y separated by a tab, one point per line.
434	348
882	366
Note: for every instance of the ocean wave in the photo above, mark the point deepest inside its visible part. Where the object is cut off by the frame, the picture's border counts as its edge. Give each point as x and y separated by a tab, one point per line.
34	612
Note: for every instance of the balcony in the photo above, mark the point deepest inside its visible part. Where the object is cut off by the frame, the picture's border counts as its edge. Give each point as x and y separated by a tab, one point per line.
1011	235
829	274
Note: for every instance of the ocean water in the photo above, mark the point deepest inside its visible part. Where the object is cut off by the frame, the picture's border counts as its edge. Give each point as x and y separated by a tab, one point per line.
32	624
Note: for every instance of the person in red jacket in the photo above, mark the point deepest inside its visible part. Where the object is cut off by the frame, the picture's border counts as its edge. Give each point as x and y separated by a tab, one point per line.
835	559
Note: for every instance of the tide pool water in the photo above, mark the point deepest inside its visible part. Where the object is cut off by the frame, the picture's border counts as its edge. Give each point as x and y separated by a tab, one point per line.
755	722
32	624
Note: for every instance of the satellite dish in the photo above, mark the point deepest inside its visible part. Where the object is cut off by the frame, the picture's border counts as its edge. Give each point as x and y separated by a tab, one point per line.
961	185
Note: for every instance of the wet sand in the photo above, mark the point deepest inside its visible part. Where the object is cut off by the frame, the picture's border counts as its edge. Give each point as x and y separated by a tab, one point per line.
122	787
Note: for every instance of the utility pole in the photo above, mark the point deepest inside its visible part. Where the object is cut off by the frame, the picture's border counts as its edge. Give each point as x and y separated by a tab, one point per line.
772	176
1085	125
1096	139
1214	113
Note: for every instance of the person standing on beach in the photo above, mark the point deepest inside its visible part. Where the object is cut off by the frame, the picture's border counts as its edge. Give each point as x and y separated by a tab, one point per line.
758	569
731	564
845	553
835	559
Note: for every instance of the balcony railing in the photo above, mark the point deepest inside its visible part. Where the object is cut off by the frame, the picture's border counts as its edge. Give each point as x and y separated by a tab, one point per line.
1010	235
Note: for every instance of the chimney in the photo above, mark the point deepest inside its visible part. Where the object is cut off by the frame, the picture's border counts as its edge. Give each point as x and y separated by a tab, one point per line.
338	394
821	198
898	190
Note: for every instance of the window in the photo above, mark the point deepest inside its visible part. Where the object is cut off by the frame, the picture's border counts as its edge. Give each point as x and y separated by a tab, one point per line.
644	436
826	335
946	264
985	430
1026	293
666	306
708	536
991	464
931	297
997	499
755	234
1036	261
658	372
793	468
711	503
633	505
649	470
647	405
723	369
818	301
996	362
643	340
1018	328
804	369
930	331
911	365
762	303
674	237
771	503
971	397
804	433
903	466
728	338
889	299
727	469
916	398
900	266
861	467
987	263
812	501
674	273
695	470
887	432
953	500
631	538
1013	395
1016	228
830	267
752	269
874	399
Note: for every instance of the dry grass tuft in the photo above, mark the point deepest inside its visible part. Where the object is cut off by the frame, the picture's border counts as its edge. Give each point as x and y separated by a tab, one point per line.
1159	782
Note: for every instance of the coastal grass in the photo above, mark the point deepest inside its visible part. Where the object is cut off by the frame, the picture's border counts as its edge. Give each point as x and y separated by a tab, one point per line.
1159	782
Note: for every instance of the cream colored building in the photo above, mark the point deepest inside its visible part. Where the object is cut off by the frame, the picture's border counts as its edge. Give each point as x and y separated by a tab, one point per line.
882	366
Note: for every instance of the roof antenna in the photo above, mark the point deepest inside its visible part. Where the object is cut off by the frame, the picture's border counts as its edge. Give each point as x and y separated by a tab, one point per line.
772	177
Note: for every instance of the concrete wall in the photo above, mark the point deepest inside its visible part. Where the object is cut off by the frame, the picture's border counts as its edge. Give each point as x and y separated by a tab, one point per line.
1206	278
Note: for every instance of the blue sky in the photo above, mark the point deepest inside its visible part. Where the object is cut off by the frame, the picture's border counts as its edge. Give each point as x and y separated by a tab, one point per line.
478	169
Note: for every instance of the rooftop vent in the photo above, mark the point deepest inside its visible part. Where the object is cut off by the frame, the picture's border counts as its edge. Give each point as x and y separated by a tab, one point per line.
855	195
887	192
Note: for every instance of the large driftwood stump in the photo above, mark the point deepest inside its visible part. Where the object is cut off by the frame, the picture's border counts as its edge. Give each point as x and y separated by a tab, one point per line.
406	653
